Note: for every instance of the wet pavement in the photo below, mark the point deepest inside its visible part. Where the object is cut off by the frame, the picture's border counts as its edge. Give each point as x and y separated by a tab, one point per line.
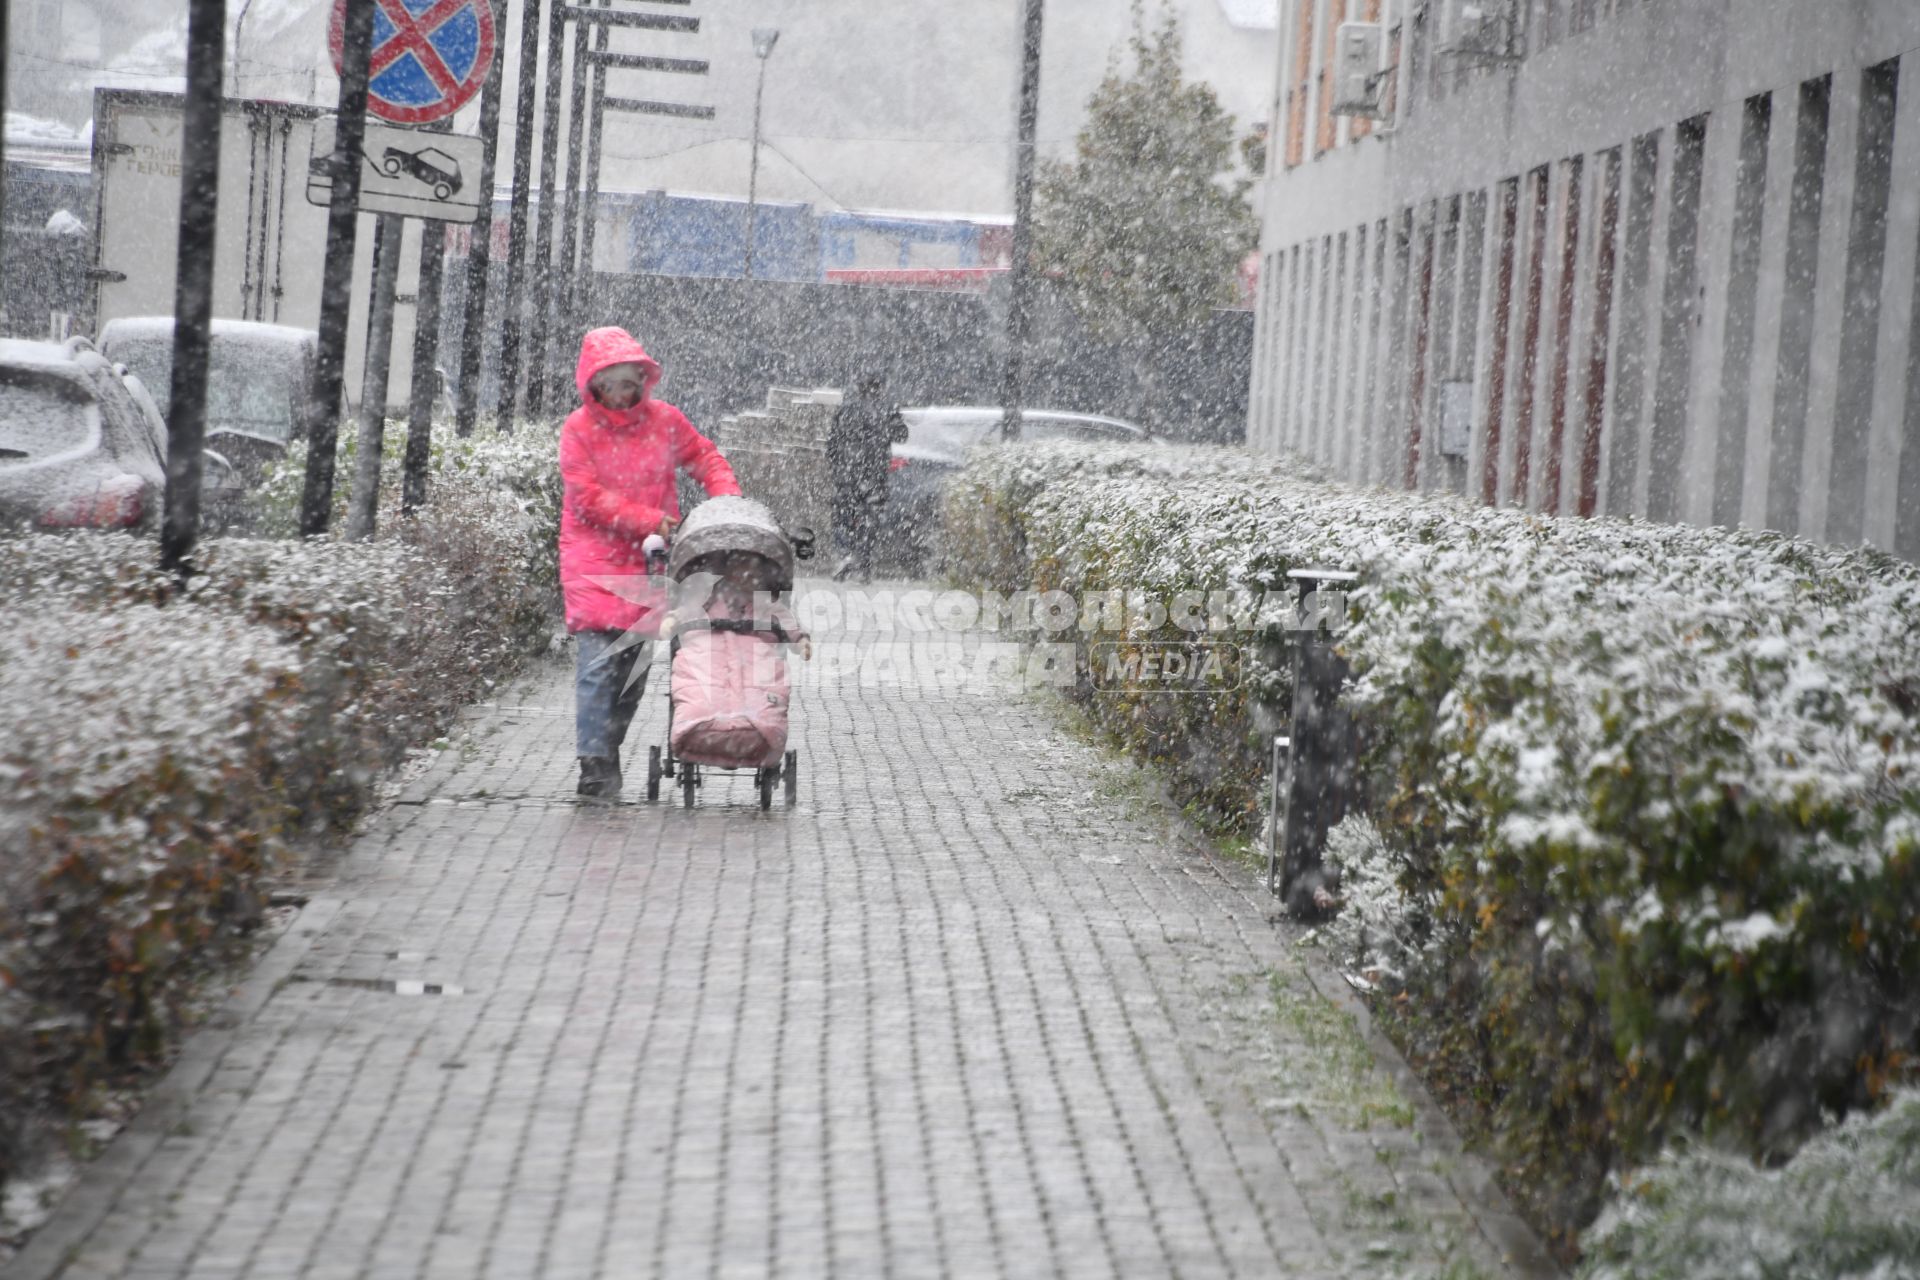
974	1006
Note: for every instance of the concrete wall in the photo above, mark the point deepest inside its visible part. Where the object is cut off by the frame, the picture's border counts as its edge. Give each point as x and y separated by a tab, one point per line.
1661	264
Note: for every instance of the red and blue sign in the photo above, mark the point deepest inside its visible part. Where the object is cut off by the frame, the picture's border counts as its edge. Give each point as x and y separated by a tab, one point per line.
430	57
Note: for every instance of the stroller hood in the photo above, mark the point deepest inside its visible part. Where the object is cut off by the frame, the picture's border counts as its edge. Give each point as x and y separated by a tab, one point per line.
720	525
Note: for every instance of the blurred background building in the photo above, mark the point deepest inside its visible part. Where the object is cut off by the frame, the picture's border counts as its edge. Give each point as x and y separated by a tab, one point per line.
884	106
1602	256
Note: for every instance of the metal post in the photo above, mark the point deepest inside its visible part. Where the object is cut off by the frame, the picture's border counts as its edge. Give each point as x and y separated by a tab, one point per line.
387	237
582	282
764	39
426	351
508	403
193	281
551	203
570	233
597	110
239	26
1019	305
5	320
336	289
473	332
1276	832
753	169
1323	748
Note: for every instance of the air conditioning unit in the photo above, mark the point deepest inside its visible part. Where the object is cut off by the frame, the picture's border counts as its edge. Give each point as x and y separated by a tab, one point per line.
1359	81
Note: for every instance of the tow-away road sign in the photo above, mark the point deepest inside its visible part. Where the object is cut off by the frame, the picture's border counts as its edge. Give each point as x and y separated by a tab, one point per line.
429	57
411	172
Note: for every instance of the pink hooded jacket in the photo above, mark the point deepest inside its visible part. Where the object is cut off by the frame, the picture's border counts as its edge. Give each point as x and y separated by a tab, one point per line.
619	472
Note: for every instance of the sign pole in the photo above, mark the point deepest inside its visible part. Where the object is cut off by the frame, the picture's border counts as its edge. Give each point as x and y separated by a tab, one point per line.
1019	307
473	332
4	20
193	282
551	202
569	259
582	295
426	351
336	290
508	403
387	240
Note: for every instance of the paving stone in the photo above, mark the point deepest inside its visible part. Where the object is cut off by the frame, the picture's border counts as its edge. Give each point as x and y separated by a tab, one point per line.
952	1014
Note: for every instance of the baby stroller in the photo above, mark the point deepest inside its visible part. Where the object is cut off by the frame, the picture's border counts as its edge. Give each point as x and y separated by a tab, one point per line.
728	696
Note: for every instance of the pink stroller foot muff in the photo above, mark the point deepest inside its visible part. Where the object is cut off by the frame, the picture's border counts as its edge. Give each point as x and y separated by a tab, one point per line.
730	698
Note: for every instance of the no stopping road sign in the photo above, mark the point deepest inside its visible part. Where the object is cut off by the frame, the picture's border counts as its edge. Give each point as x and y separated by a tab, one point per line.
429	58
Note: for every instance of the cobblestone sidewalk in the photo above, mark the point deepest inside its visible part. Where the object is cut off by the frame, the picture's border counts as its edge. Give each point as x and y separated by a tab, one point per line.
973	1007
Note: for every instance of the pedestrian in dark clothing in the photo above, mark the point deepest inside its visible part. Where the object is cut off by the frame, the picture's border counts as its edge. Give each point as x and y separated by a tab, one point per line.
859	454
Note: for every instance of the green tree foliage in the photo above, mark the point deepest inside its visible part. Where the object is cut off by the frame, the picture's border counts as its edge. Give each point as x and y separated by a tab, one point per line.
1146	227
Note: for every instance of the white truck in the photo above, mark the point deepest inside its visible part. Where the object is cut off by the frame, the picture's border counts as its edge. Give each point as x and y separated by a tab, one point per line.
270	245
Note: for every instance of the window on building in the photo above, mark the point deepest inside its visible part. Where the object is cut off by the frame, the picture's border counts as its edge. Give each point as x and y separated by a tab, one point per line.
1793	363
1547	20
1505	262
1860	312
1630	376
1301	84
1743	290
1327	132
1679	318
1600	338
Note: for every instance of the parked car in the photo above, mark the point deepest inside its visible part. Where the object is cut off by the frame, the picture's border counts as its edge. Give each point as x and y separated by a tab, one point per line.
81	443
938	438
258	380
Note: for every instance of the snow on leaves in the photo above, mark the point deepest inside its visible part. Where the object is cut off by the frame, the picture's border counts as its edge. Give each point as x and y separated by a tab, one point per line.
1652	792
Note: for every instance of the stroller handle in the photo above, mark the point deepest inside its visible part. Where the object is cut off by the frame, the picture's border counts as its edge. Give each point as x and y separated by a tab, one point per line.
656	548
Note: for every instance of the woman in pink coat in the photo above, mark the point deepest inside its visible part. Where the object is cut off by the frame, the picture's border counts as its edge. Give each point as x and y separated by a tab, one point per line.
619	455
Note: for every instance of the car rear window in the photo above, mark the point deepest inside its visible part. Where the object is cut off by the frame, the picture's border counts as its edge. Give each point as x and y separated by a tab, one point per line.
952	432
41	416
251	387
1083	429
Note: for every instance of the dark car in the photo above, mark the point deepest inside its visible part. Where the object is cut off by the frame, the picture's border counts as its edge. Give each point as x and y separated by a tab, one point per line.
81	443
938	438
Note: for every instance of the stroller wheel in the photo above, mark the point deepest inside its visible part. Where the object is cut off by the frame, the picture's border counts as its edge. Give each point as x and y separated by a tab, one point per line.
792	775
653	773
765	779
688	781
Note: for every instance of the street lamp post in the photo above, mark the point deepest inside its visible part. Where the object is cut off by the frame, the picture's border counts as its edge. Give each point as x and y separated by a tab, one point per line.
1019	305
764	38
239	26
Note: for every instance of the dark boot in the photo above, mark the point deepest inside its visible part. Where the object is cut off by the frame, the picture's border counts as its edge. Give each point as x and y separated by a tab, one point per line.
599	778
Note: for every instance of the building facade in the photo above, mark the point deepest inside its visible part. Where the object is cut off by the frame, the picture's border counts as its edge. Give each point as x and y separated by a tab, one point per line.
1650	257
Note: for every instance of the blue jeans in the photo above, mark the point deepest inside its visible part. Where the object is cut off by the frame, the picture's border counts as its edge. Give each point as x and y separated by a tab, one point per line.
603	699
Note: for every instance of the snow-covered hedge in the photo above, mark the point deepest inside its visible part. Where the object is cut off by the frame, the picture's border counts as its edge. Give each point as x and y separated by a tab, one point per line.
1659	784
517	473
161	747
1846	1207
